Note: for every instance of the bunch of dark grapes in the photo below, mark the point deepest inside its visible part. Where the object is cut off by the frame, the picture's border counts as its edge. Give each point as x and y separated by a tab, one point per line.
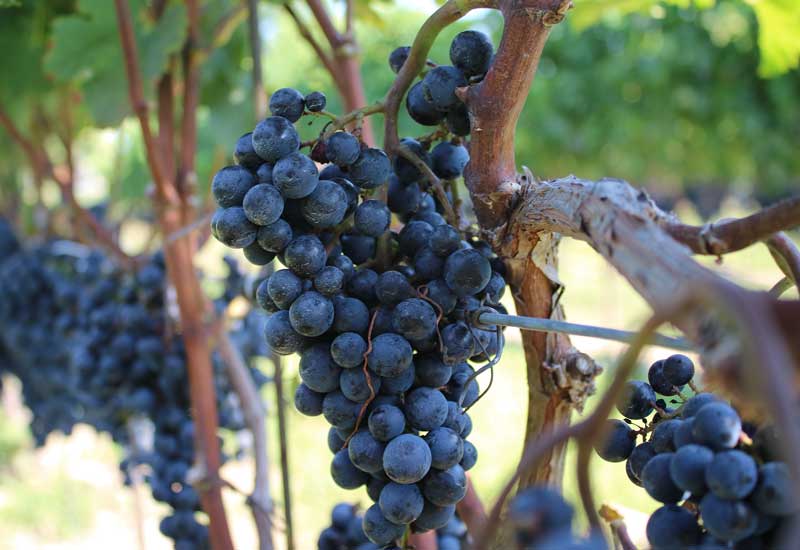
346	532
542	519
93	344
378	307
721	480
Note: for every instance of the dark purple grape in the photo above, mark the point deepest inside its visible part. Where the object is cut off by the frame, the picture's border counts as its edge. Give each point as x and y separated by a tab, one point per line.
275	138
618	443
288	103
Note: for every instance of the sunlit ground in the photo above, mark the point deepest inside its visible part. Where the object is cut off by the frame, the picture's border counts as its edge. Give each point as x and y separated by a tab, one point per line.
69	495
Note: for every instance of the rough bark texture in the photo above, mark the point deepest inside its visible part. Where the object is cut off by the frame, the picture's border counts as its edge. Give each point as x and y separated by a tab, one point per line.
491	176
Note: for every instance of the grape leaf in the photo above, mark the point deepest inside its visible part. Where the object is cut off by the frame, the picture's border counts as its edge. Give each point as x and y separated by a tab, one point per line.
778	36
86	49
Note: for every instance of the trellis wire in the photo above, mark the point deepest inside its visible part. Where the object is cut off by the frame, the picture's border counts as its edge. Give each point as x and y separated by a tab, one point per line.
551	325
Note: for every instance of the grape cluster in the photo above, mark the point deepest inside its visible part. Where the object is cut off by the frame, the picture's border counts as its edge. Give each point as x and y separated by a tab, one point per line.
734	489
346	532
93	344
376	296
542	519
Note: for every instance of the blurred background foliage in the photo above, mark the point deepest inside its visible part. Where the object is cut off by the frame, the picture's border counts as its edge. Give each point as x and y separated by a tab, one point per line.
683	97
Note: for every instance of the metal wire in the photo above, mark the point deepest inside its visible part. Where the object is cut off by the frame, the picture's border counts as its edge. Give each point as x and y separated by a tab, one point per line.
488	318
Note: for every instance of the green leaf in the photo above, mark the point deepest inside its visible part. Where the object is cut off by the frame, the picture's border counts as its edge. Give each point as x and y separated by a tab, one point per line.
778	35
86	49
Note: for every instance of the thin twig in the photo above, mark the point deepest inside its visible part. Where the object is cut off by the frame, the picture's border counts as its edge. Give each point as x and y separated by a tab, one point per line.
433	180
325	23
186	177
280	403
732	235
786	255
42	167
259	94
323	56
253	409
353	116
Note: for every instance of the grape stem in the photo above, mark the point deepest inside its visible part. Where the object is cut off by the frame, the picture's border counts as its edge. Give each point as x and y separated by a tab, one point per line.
433	180
353	116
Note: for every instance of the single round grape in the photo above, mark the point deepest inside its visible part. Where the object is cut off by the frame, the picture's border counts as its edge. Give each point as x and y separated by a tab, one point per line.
540	509
407	459
688	468
433	517
275	138
393	287
445	240
340	411
330	281
439	293
305	255
639	457
448	160
372	218
371	169
264	173
316	102
284	287
403	199
731	475
365	452
445	487
263	204
295	176
401	504
682	435
288	103
420	108
467	272
636	400
355	387
426	408
362	286
275	236
386	422
326	206
470	456
350	315
244	153
664	435
257	255
673	526
730	520
398	57
432	371
717	426
439	87
657	480
281	337
414	236
307	401
618	444
400	384
414	319
471	52
342	148
233	229
773	494
348	350
428	265
359	248
318	370
391	354
678	369
311	314
380	530
230	185
655	375
447	447
345	474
